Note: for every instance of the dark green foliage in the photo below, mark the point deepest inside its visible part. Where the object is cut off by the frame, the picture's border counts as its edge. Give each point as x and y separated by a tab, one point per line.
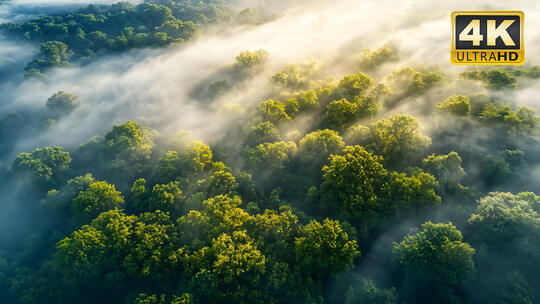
523	120
62	103
115	28
42	166
517	291
51	54
495	79
503	218
167	198
263	132
446	168
365	291
437	255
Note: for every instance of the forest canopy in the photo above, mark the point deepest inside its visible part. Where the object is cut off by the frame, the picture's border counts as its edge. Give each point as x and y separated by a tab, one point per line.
359	177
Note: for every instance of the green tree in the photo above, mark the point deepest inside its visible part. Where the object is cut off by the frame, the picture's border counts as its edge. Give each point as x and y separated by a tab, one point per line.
248	59
407	82
116	246
231	269
60	200
320	144
352	86
446	168
62	103
144	298
517	291
95	249
128	141
356	135
523	121
273	111
152	250
458	105
495	79
365	291
164	197
197	157
248	63
219	215
127	147
373	59
352	183
412	192
97	198
437	254
155	15
270	155
43	165
265	132
502	218
305	101
167	198
220	182
296	76
169	167
341	112
397	139
324	249
51	54
274	233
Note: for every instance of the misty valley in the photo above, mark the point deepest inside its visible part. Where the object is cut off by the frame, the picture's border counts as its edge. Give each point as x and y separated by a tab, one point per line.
263	151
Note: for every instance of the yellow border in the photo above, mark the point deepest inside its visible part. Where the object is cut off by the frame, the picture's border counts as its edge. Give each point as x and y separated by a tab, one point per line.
509	13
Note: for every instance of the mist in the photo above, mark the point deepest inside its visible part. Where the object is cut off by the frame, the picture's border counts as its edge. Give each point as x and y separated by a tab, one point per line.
155	84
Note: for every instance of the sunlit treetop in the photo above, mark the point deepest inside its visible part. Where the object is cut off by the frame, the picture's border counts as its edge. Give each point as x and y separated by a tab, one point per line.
42	165
407	82
458	105
373	59
397	139
495	79
248	60
321	143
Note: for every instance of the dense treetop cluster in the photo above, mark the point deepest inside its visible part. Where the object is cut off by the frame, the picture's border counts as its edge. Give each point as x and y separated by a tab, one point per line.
97	29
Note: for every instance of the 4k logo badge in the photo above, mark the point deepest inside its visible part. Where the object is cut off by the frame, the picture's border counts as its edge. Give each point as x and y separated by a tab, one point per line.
487	37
